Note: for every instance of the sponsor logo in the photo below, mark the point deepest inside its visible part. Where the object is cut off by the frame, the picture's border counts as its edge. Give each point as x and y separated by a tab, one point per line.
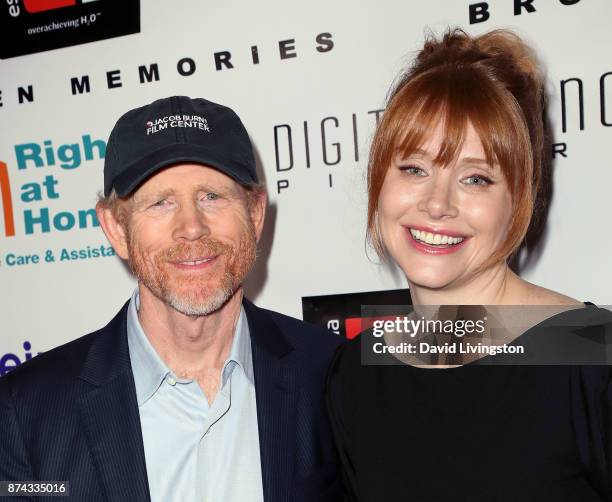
317	142
10	361
33	6
30	26
185	66
480	12
32	199
7	201
342	314
181	121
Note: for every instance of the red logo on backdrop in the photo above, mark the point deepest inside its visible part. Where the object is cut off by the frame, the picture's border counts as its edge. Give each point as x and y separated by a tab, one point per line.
352	327
7	201
355	325
40	25
33	6
342	313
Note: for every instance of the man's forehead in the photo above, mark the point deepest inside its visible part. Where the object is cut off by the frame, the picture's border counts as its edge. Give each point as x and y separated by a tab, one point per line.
188	178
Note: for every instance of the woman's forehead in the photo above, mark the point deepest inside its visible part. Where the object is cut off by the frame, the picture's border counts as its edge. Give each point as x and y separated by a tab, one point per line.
435	145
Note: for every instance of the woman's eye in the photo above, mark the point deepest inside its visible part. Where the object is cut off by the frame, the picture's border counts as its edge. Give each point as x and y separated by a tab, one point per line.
477	180
413	170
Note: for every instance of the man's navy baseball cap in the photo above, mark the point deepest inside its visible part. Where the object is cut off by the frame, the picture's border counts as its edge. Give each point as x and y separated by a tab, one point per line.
173	130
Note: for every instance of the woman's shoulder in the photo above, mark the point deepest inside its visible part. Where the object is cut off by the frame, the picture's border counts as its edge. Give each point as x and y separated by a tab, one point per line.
340	391
350	371
533	294
570	334
347	357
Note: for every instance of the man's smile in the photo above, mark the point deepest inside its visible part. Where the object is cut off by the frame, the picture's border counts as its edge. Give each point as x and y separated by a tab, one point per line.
194	264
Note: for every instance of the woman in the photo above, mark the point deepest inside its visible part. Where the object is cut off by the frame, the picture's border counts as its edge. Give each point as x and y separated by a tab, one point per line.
454	178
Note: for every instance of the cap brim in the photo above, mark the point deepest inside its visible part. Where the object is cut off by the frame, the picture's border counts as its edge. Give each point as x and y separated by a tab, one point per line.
136	173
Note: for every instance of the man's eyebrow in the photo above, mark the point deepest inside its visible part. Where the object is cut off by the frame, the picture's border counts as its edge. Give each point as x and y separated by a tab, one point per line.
202	187
206	187
231	191
154	195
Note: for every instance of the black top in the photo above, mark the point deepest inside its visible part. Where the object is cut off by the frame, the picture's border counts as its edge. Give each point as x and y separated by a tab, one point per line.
475	432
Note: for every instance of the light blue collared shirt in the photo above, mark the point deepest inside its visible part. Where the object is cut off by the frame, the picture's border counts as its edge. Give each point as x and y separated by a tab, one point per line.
193	451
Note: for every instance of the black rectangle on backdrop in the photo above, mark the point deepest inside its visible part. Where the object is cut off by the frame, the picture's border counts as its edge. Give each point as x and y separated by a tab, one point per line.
341	313
30	26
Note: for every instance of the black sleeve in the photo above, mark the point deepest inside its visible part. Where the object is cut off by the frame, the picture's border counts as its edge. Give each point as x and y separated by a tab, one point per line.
337	396
592	411
14	463
608	435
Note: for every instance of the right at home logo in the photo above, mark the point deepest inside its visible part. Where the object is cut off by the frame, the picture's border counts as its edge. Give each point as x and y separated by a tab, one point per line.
25	207
7	201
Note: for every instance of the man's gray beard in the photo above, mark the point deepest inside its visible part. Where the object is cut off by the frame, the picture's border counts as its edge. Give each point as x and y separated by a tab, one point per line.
144	269
194	308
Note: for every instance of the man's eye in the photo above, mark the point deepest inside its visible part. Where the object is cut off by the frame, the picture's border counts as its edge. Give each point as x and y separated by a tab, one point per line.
211	196
160	203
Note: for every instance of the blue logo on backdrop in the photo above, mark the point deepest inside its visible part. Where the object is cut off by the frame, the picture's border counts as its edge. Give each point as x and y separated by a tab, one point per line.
10	361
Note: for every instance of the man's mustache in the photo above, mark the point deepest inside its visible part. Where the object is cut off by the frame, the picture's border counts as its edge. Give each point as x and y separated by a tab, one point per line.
189	251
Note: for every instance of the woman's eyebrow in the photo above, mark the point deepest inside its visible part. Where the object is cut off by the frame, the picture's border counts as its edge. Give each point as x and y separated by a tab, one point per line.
419	152
474	160
477	161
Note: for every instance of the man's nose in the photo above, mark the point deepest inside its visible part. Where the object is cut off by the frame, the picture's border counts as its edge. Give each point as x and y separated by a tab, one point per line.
191	223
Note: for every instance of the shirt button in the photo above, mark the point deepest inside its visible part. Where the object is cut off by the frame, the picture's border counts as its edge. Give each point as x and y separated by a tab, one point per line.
171	381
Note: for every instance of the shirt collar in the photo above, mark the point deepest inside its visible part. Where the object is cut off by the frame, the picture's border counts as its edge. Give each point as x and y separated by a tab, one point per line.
149	369
240	353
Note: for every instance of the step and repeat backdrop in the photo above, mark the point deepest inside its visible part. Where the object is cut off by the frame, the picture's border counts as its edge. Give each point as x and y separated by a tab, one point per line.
309	81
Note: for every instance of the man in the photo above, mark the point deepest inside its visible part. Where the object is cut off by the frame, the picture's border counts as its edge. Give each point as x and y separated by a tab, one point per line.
191	393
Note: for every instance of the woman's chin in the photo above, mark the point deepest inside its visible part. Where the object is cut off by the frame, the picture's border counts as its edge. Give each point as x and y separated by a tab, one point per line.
428	281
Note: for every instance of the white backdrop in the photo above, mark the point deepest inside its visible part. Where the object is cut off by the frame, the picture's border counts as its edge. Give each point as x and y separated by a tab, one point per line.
314	241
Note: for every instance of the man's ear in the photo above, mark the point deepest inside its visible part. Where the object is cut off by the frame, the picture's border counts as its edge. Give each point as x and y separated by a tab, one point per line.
257	209
115	231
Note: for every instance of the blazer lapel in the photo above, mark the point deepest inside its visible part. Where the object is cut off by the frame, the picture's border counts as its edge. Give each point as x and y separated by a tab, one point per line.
110	415
276	395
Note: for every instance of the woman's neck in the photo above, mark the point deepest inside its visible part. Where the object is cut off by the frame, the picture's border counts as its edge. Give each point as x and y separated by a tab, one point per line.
495	286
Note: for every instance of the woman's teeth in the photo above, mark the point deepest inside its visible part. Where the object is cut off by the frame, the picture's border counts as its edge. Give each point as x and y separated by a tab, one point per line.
435	239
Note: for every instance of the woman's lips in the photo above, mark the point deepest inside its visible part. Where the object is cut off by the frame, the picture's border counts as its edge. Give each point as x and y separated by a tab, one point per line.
450	233
434	249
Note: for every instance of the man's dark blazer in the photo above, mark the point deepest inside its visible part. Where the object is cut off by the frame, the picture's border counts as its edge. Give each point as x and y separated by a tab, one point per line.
71	414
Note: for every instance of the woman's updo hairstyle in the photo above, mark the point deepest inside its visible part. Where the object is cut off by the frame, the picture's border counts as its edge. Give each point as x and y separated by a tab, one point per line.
490	81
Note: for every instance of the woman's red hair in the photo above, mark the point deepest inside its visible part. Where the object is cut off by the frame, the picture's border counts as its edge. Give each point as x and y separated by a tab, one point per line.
489	81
